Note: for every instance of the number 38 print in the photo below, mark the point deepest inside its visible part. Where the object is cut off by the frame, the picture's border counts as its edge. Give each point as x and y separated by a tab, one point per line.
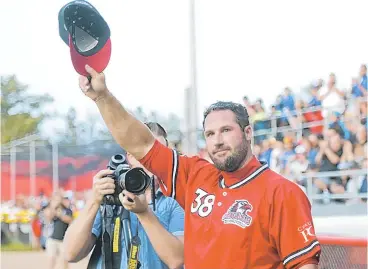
203	203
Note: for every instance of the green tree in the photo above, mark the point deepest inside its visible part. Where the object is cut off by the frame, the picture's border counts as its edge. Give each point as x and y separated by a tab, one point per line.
21	112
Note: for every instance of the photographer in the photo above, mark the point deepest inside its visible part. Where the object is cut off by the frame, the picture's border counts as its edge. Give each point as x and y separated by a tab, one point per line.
160	231
58	216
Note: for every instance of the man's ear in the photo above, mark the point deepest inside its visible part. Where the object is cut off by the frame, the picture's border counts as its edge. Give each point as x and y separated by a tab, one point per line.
248	132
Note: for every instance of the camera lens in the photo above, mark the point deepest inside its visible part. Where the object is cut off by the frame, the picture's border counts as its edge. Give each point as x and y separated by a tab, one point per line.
116	160
136	181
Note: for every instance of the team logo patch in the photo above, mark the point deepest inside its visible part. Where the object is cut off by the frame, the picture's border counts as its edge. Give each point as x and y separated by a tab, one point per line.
238	214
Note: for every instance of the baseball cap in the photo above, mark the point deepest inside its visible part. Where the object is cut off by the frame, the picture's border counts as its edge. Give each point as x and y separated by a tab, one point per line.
63	32
88	36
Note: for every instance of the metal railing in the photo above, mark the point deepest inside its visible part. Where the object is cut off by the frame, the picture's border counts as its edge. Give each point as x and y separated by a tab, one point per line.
354	174
274	129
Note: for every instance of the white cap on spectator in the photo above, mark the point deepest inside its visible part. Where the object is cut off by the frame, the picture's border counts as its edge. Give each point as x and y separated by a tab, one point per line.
300	149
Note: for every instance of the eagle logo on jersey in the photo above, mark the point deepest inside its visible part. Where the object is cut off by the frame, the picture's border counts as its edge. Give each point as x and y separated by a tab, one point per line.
238	214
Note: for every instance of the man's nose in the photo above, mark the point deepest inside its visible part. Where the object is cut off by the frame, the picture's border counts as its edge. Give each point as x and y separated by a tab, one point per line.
219	140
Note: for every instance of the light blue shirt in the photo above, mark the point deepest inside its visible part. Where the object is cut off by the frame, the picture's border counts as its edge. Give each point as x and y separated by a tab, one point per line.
171	216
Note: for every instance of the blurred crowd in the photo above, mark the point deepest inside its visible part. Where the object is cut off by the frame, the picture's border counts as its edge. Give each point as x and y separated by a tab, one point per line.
323	132
25	208
30	212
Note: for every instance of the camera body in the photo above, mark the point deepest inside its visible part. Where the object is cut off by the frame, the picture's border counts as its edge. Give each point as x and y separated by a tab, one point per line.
134	180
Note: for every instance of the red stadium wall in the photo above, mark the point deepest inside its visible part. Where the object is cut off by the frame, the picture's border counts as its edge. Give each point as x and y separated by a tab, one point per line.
74	174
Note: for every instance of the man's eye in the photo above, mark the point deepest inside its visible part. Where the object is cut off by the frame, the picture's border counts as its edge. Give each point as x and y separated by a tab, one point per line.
226	130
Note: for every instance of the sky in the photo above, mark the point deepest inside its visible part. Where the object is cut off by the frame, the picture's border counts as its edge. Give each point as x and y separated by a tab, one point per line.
252	48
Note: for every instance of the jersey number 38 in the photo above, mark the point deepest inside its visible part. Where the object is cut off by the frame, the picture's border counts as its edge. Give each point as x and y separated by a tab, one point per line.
203	203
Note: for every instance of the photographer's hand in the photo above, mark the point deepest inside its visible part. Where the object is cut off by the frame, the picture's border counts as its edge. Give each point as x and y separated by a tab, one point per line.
139	204
102	185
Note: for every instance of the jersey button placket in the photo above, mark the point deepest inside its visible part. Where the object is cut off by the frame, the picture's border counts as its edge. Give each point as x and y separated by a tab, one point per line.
223	194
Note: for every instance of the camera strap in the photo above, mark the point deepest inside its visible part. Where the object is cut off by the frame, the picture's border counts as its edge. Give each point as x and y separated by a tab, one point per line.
107	215
133	262
116	240
111	237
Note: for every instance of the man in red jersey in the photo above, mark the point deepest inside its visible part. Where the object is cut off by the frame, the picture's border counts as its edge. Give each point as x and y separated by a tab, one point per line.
238	213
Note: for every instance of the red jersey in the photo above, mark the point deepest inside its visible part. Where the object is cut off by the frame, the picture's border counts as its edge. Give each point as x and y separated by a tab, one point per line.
251	219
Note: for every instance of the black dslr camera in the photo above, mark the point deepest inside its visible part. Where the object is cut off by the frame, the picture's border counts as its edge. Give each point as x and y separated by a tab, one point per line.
134	180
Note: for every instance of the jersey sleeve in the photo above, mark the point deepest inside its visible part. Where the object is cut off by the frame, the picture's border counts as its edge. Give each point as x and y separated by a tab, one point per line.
291	227
171	169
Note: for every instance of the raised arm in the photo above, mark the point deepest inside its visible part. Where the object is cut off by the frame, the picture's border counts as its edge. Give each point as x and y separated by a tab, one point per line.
128	132
132	135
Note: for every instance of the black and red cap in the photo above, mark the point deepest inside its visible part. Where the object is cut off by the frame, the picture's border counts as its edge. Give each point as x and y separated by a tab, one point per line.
88	36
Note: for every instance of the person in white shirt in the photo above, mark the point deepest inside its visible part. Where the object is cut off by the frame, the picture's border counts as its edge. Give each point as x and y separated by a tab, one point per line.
332	98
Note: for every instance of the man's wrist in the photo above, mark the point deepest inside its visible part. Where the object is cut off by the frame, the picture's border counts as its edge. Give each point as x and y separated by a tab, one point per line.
92	203
106	95
143	215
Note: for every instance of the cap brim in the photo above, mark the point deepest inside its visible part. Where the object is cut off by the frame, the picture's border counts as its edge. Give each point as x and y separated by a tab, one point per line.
63	32
97	61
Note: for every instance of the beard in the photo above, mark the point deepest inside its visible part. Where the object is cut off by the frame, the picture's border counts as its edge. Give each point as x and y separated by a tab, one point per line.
234	161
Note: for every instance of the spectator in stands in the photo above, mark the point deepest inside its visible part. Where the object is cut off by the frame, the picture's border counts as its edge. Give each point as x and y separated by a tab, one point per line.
319	84
288	151
338	124
248	106
352	124
361	90
288	104
359	87
275	113
260	121
314	101
328	157
297	164
275	158
299	119
355	90
276	121
311	146
278	103
287	100
331	97
355	149
283	120
265	154
360	147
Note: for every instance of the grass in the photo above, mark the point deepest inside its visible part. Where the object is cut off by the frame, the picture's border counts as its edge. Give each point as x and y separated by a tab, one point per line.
16	246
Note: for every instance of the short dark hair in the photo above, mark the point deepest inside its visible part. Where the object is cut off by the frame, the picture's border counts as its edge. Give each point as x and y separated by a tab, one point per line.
157	129
241	113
